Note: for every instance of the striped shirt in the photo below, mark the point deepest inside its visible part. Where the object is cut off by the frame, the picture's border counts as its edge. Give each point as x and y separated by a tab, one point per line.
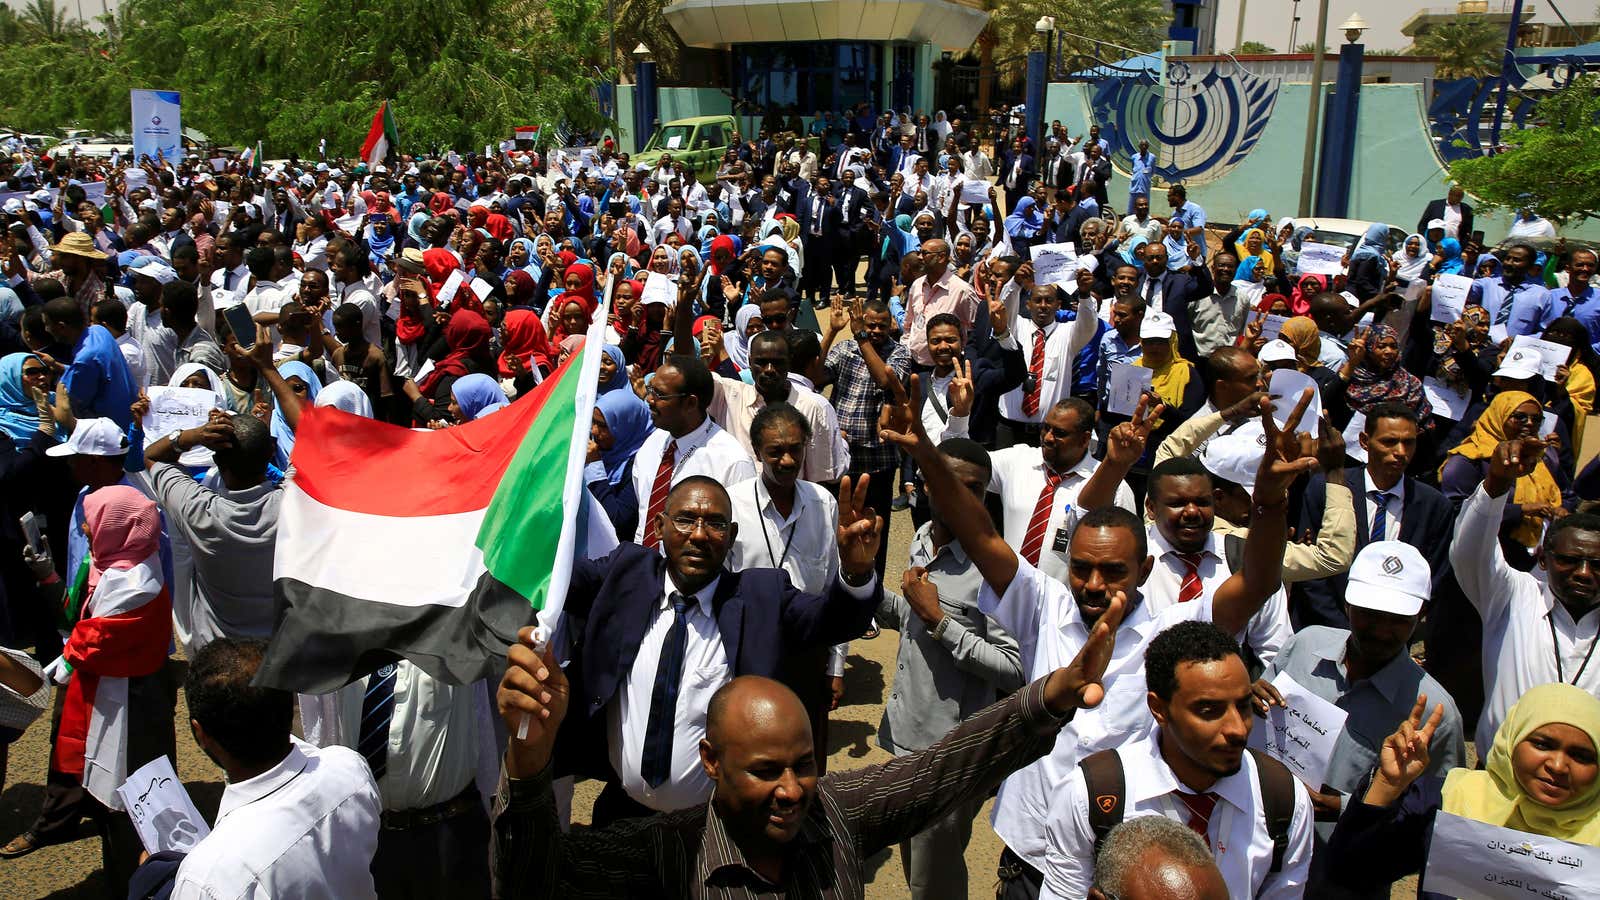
690	853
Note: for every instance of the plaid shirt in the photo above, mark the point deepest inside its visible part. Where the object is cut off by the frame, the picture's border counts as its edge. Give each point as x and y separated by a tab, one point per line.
857	399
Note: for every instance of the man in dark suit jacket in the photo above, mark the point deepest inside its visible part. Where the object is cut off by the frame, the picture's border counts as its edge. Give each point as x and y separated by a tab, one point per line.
854	210
1016	174
1175	290
1426	518
1097	169
1435	210
995	369
760	620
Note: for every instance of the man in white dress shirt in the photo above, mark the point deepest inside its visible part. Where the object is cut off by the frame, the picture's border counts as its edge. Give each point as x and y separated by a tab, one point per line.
1192	561
1039	486
1048	348
1109	561
1193	769
295	821
1535	630
358	284
788	523
686	442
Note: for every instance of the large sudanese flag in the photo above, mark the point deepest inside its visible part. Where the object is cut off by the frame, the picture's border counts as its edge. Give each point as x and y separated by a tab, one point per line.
433	546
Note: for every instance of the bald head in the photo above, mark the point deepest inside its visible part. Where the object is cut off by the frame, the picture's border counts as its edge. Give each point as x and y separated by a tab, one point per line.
750	705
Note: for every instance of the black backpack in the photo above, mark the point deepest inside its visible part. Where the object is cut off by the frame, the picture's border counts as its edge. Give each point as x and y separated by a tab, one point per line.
1106	787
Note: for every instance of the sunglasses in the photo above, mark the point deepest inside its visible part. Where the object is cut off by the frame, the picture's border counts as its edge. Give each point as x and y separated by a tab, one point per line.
33	371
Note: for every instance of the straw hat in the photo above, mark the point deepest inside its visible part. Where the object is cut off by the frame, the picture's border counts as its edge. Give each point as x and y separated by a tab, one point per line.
78	243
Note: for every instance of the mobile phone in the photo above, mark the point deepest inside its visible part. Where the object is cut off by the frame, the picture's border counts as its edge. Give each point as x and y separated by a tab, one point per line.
241	324
30	529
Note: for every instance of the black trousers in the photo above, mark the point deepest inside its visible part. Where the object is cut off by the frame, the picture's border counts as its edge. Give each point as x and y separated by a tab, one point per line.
881	490
846	257
1016	879
818	271
445	859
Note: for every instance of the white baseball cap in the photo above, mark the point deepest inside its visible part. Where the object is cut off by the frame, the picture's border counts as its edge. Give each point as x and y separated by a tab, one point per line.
154	267
1519	363
93	437
1350	298
1390	577
1156	325
1277	350
1235	457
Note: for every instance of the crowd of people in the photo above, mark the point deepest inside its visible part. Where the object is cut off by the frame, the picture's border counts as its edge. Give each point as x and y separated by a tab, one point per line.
1318	476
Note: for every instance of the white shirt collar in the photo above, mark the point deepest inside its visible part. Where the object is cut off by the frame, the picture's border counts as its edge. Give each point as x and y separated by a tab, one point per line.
702	597
250	790
1163	547
1147	782
1396	493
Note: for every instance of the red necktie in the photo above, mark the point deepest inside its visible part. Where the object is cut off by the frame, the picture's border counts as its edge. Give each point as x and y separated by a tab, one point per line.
1030	399
658	495
1034	541
1191	587
1200	807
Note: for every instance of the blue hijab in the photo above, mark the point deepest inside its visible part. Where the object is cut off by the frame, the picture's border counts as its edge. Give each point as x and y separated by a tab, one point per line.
1450	249
1373	244
628	419
19	416
10	305
280	426
620	379
1024	221
478	395
1127	253
1496	269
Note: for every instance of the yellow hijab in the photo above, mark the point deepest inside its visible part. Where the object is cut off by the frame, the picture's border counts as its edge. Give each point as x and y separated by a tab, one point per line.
1538	486
1169	381
1301	334
1495	797
1580	387
1268	264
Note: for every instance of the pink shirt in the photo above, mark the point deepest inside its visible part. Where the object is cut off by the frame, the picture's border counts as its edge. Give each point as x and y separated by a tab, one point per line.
949	294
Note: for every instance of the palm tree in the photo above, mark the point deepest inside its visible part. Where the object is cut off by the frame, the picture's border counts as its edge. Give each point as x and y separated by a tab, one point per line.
47	19
1254	47
1464	49
637	22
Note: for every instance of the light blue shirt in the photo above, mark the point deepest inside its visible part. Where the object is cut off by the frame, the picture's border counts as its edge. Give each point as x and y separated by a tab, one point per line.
1113	349
1192	216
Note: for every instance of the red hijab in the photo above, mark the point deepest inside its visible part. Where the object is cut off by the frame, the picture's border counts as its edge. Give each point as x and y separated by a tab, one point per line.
468	336
583	295
523	337
520	287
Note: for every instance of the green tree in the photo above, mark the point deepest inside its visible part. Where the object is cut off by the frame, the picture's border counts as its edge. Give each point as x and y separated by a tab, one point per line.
641	22
1311	47
1254	48
47	19
1464	49
1551	166
1138	25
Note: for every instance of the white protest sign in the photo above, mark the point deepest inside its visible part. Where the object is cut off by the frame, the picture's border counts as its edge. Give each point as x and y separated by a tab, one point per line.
481	289
1449	297
1126	384
673	141
448	290
1302	733
220	210
659	288
1352	437
975	192
1285	393
1272	326
1445	402
173	408
1552	354
162	813
1055	264
1549	425
1478	861
1321	259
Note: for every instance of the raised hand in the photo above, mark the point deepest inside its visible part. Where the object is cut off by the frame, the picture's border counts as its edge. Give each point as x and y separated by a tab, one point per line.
1330	446
860	530
1126	442
1289	452
1512	460
899	422
960	392
999	316
140	407
1404	755
1078	685
858	314
1263	695
838	316
534	691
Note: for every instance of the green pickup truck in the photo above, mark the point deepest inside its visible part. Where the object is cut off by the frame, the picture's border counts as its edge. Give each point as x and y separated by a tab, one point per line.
699	143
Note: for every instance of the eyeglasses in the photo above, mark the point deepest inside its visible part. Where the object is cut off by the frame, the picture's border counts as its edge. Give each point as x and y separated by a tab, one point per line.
651	393
687	525
777	321
33	371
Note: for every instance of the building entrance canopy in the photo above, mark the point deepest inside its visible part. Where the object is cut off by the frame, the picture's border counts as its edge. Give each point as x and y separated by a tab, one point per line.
948	24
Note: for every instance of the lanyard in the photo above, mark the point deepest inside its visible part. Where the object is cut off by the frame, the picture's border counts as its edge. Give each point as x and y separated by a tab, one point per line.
1556	645
766	537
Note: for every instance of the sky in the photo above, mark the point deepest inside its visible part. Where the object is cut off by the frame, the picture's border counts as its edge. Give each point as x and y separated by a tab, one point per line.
1267	21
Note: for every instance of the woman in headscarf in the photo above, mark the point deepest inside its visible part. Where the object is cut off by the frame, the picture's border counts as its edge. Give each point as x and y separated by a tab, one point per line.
19	413
1577	376
746	324
1446	258
299	380
116	711
1306	287
526	355
1373	372
346	396
941	126
1538	497
1177	244
725	274
1486	266
1369	265
1413	259
1023	226
473	397
414	229
571	312
524	256
613	370
1133	253
662	261
645	343
885	264
790	232
10	319
620	425
1540	777
467	336
1290	250
1253	250
379	236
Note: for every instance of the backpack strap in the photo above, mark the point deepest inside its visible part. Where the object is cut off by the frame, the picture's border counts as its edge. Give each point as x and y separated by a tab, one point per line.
1103	781
1277	802
1233	551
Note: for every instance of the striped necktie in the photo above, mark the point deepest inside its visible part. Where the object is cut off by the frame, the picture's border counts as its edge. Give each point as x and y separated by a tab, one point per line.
377	711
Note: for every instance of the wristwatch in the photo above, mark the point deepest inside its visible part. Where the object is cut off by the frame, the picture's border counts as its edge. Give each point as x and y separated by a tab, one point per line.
862	335
174	435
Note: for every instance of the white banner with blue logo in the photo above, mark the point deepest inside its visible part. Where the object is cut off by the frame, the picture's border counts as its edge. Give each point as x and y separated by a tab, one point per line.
156	126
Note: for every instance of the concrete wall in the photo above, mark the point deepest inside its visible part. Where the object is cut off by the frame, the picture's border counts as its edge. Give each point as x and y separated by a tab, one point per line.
1396	170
